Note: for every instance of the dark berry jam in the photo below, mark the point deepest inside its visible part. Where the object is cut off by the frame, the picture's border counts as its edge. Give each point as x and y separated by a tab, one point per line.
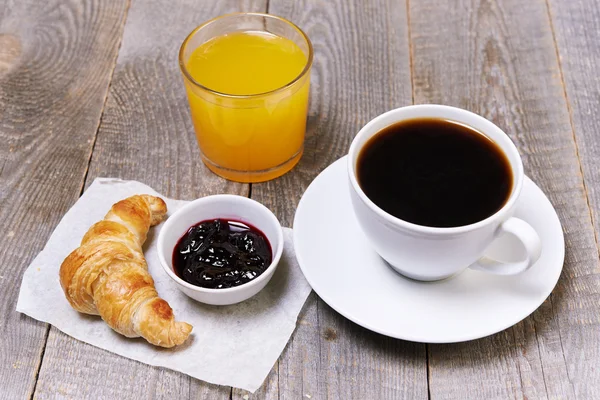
219	254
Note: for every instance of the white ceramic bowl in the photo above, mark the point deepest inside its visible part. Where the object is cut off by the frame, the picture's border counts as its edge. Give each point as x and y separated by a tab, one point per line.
227	207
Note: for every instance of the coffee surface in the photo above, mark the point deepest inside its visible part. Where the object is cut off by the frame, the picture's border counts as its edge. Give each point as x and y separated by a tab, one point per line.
434	172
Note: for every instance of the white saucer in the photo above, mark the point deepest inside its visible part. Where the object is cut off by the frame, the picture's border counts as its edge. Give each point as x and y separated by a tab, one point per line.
348	275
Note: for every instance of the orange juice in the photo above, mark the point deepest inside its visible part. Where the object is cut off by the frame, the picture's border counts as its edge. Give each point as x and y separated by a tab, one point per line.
248	101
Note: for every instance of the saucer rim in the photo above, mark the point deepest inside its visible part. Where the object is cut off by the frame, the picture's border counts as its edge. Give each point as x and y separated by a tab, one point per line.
464	338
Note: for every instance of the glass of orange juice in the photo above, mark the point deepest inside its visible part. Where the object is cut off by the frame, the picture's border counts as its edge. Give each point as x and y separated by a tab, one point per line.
247	78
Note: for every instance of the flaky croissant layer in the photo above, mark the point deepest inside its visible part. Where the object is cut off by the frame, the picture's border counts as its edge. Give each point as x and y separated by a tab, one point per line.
107	274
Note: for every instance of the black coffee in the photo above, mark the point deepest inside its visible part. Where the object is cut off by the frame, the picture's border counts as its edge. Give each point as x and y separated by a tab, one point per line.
434	172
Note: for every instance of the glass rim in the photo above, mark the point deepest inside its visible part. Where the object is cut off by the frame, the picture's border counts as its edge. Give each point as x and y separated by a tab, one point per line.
302	73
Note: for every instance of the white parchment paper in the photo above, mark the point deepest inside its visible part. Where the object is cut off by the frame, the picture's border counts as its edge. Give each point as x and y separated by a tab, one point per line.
230	345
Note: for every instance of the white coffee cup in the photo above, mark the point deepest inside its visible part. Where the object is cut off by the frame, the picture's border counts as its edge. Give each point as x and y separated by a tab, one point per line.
428	253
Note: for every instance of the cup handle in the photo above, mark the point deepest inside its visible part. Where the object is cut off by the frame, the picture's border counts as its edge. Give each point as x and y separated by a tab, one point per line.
528	238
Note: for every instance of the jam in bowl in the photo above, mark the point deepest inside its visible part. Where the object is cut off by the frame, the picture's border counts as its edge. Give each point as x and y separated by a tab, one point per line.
221	249
219	254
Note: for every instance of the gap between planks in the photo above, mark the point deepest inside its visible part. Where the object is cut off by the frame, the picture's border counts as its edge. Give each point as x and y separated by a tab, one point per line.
412	86
39	366
570	112
581	172
87	169
112	74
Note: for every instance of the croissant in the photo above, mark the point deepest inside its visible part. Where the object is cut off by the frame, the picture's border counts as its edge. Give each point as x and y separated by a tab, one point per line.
107	275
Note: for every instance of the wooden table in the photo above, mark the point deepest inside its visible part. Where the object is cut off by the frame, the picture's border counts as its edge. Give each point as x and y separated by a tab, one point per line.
92	88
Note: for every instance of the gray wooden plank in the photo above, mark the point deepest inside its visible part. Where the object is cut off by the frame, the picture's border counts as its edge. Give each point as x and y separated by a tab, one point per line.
361	364
146	134
300	364
297	371
361	69
576	26
498	58
56	59
268	391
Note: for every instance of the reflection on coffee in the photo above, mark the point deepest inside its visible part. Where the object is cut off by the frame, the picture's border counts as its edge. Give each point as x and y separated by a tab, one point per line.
434	172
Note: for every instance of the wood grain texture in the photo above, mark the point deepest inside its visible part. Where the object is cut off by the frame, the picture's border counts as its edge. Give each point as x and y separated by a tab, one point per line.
498	58
361	69
300	363
577	33
268	391
146	134
56	59
576	26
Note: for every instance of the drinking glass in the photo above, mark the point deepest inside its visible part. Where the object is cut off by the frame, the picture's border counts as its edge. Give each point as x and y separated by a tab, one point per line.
255	137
